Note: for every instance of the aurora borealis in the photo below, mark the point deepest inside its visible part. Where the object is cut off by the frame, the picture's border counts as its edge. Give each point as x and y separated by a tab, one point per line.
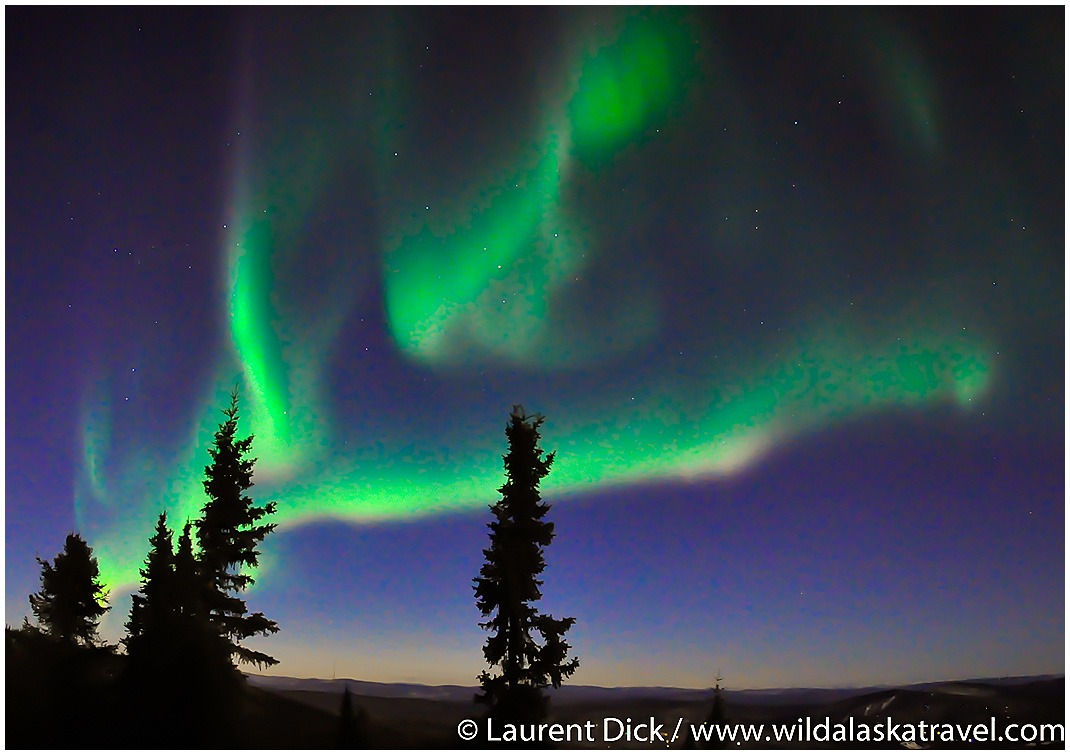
787	286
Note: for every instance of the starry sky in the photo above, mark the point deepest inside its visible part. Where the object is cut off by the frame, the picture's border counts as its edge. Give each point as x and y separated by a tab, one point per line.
787	285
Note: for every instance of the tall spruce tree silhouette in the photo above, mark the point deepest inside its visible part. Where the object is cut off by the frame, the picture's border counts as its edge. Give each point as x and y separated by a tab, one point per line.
176	659
228	533
508	585
189	584
168	622
71	600
153	606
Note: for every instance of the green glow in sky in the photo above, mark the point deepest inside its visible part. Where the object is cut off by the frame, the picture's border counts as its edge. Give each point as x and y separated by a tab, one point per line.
96	437
702	431
483	280
630	84
252	325
488	276
433	282
903	80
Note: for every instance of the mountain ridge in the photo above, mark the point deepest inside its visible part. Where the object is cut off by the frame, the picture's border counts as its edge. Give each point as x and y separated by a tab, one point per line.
589	693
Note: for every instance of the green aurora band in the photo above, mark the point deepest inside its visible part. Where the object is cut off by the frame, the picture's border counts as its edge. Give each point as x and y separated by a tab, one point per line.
445	288
658	436
488	279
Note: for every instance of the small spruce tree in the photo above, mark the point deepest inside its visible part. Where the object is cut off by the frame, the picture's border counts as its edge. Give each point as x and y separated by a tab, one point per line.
228	532
508	585
717	716
71	600
351	720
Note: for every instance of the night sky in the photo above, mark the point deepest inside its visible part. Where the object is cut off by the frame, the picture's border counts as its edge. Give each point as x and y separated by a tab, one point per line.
788	286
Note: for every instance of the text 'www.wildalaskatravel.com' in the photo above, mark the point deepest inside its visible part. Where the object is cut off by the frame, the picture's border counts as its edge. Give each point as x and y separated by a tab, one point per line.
612	730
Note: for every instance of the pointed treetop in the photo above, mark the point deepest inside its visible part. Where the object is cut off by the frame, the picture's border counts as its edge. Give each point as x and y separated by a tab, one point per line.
229	531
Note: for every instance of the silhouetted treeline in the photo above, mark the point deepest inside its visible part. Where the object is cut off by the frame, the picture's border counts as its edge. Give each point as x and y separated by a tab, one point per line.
177	685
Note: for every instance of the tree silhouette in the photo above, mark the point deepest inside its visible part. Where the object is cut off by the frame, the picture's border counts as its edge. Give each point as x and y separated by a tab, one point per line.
228	532
717	713
168	614
71	601
508	585
176	658
188	584
154	606
717	717
350	723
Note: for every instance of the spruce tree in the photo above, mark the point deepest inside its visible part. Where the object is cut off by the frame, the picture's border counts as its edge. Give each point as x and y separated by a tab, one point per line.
153	606
189	585
197	638
228	532
718	717
176	658
168	611
351	720
71	600
508	585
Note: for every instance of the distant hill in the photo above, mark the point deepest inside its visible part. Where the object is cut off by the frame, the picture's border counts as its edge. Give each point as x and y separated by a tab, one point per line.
416	716
570	694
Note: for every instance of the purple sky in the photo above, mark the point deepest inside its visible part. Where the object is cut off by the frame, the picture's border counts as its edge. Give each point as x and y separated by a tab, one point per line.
838	178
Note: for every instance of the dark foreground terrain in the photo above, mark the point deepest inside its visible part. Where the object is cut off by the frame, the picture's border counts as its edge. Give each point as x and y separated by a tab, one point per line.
410	716
79	702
